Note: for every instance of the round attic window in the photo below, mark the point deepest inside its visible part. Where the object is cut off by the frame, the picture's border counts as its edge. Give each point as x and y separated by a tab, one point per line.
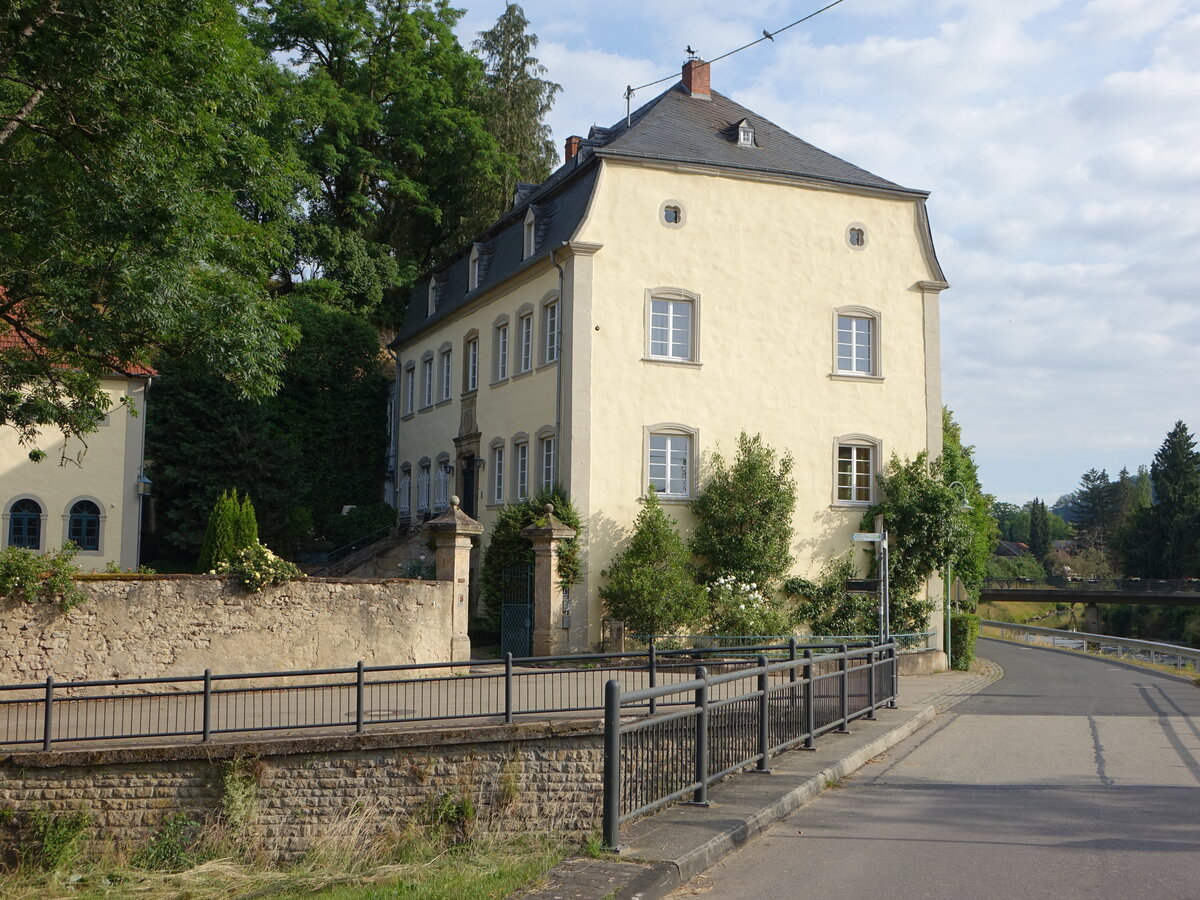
671	214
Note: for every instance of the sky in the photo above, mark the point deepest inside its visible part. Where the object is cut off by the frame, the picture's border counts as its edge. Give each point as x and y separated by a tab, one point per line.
1060	142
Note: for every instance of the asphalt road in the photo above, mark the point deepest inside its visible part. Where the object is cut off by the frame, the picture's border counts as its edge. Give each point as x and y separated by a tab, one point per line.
1070	777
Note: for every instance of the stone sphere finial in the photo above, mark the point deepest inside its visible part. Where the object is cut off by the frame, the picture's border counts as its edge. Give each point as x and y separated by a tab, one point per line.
454	501
548	509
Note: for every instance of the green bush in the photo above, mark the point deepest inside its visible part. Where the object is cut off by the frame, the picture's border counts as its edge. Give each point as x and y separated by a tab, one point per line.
964	630
743	609
29	576
827	607
54	840
172	848
231	527
256	566
651	584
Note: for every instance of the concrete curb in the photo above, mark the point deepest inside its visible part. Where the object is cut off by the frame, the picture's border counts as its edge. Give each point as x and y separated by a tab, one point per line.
667	875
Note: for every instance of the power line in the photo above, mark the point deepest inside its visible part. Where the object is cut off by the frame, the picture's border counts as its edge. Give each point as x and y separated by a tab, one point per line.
767	36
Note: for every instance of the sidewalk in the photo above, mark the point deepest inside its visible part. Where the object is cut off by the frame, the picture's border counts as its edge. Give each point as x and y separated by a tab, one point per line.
669	848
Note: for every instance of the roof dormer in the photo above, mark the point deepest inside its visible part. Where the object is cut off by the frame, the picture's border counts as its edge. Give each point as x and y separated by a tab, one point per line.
745	133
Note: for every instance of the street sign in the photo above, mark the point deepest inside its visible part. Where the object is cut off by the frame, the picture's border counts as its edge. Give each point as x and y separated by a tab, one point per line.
862	585
873	537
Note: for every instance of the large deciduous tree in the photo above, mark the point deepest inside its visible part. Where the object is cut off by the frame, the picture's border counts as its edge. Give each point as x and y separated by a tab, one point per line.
517	101
393	130
141	206
975	533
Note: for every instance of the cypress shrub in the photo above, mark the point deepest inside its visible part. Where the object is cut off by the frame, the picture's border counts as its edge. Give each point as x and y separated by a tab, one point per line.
964	629
231	527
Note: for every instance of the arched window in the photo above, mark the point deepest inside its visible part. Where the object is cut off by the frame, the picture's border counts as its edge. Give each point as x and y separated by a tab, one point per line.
25	525
84	526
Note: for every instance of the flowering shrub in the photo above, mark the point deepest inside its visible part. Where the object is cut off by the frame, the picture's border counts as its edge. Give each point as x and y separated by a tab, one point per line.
740	608
256	566
31	576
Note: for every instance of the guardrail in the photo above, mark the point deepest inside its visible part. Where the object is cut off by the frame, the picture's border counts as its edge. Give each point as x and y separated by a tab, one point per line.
726	722
1100	644
914	642
49	713
1126	585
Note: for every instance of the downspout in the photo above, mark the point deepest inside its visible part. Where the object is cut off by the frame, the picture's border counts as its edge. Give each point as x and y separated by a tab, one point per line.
558	390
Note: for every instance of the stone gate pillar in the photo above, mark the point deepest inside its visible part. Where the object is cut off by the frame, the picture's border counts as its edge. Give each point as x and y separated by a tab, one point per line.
549	638
452	532
1091	618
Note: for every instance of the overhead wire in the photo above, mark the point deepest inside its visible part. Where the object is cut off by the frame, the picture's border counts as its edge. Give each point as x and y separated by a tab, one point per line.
767	35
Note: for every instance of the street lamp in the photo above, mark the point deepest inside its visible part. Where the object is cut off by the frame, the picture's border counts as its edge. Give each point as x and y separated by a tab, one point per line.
966	507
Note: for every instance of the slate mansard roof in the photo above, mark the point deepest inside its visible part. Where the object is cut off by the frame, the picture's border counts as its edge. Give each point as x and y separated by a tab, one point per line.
674	127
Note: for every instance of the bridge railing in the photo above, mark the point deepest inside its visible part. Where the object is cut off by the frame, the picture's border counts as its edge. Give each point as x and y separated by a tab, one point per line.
1126	585
1184	658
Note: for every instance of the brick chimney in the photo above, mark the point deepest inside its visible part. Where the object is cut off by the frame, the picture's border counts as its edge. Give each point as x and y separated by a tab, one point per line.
695	78
572	147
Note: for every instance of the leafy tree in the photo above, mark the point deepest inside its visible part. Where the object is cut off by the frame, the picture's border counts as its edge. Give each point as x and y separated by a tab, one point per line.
827	607
1024	566
975	530
142	210
1012	522
744	515
393	133
1163	540
1039	530
517	101
651	585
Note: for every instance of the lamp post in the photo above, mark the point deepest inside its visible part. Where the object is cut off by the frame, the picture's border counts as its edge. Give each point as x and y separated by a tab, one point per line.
966	507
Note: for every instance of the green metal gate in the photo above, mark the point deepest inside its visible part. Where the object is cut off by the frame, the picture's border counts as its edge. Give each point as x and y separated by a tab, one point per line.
516	611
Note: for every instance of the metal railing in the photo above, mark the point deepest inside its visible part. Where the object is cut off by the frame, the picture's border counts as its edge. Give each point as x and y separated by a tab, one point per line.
905	643
1099	644
719	724
201	707
1124	585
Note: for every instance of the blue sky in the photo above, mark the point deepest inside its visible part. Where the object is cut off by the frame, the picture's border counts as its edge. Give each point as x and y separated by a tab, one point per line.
1061	144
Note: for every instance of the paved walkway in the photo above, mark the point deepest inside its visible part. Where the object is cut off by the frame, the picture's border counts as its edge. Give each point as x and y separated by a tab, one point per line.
669	848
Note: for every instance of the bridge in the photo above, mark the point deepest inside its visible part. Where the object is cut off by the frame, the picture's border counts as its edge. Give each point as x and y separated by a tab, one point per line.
1087	590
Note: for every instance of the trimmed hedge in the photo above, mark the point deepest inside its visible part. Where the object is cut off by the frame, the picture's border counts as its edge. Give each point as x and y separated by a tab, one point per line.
964	629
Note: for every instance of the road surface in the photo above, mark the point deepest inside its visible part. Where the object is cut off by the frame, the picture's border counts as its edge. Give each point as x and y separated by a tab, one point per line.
1071	777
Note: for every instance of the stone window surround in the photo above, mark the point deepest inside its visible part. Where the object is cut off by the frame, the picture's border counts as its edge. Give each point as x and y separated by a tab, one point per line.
876	319
672	429
857	440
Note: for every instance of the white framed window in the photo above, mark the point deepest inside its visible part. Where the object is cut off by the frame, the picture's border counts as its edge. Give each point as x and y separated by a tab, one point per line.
447	375
498	472
427	381
672	325
473	269
471	381
856	342
548	450
856	458
500	349
441	482
529	235
525	348
521	476
550	328
745	133
423	486
410	389
669	455
404	491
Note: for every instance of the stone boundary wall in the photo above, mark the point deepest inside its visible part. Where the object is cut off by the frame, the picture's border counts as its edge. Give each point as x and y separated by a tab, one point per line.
153	626
530	777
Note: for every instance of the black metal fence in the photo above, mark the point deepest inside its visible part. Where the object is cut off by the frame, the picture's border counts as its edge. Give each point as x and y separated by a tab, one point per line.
203	707
718	724
1124	585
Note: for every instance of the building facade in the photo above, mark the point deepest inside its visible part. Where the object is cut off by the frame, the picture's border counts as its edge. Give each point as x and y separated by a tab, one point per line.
690	273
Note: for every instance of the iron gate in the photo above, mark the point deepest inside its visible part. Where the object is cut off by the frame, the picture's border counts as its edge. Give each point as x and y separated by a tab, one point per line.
516	611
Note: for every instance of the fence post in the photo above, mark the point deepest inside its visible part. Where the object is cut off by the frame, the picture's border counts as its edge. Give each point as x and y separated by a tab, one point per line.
207	712
48	717
700	797
792	676
895	663
871	683
764	735
653	677
611	821
810	740
508	686
359	692
843	690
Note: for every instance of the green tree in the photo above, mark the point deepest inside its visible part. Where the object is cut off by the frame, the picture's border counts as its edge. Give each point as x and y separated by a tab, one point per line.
1163	540
744	515
142	209
1095	511
826	605
394	136
226	533
1039	530
651	584
975	533
517	101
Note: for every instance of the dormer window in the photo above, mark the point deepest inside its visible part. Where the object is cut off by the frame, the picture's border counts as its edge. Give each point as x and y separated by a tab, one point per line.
745	133
433	297
473	270
529	233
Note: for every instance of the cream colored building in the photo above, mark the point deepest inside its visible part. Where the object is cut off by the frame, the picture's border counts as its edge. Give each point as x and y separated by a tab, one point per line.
88	494
687	274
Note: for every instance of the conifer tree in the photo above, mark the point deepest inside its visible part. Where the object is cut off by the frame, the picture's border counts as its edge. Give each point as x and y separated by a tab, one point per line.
223	532
1039	530
1163	540
651	584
